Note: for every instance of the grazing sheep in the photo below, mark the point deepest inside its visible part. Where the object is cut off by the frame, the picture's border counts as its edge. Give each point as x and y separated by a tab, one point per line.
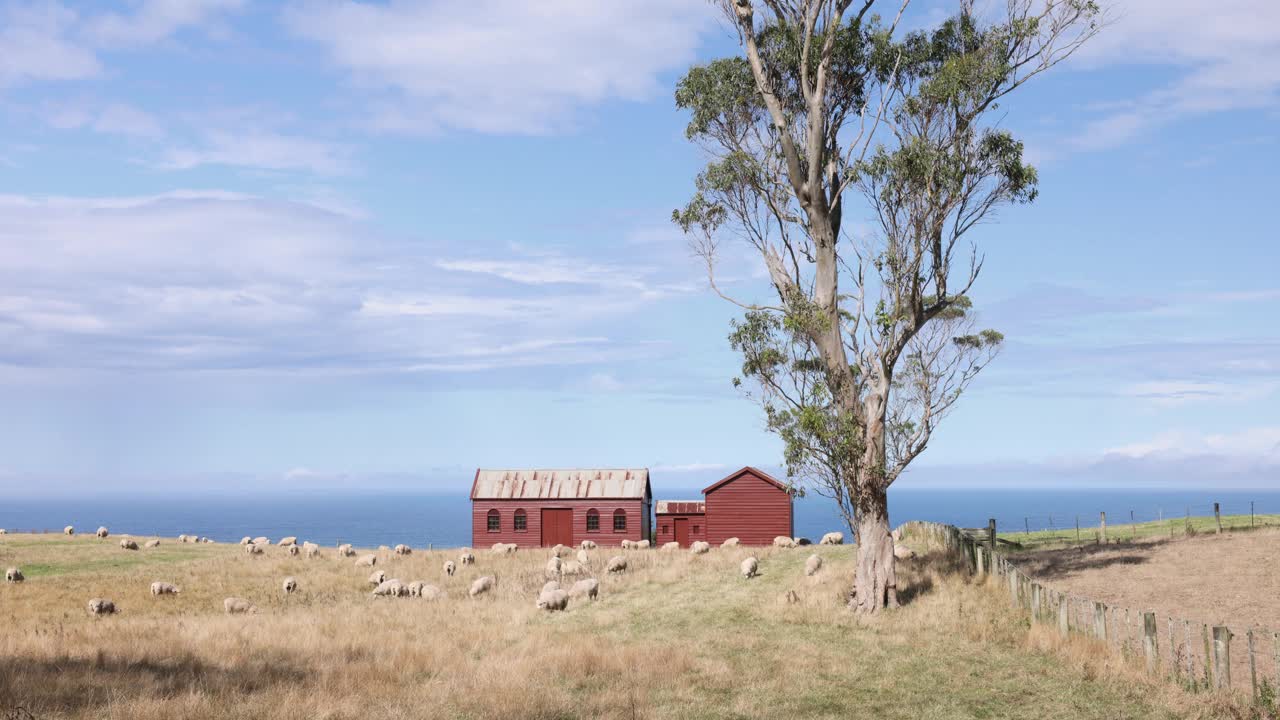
102	532
481	585
588	588
205	540
588	545
262	540
313	552
253	549
548	587
812	565
415	588
640	545
345	550
290	585
782	541
625	544
583	558
3	531
294	551
552	601
153	543
127	544
182	538
100	606
309	545
403	550
246	540
729	542
377	577
238	606
802	541
287	541
700	548
450	568
553	567
14	575
673	545
902	552
367	560
617	564
503	548
467	558
571	567
431	592
68	530
390	588
832	538
750	568
384	549
559	550
163	588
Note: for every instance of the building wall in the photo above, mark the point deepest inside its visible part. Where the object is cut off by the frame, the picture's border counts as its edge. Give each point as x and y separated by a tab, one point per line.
749	508
636	511
665	531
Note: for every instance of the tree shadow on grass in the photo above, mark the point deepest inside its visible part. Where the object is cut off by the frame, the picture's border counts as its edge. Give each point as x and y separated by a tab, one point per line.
1051	564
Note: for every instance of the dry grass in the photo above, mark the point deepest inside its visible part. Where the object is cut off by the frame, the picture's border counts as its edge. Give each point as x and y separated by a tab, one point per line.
677	636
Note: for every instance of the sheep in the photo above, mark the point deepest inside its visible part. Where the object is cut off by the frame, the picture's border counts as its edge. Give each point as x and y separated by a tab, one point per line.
127	544
344	550
246	540
700	548
553	601
183	538
262	540
802	541
101	606
503	548
548	587
238	606
625	544
3	531
384	549
750	568
253	549
450	568
392	588
163	588
588	588
583	558
403	550
377	577
308	545
153	543
729	542
571	567
14	575
415	588
313	552
588	545
553	567
431	592
290	585
832	538
467	557
367	560
481	586
782	541
640	545
68	530
287	541
668	547
102	532
559	550
902	552
813	565
617	564
205	541
294	551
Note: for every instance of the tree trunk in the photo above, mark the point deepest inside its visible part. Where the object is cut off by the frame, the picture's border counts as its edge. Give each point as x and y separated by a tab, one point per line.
875	581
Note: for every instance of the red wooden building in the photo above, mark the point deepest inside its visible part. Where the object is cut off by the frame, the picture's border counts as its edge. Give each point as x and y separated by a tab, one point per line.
547	507
684	521
749	505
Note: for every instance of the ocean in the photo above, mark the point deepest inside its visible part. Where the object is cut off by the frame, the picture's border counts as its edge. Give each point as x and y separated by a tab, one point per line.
443	520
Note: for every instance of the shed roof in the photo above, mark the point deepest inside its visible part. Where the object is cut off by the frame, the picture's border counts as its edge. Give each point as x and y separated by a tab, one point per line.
560	484
680	507
748	469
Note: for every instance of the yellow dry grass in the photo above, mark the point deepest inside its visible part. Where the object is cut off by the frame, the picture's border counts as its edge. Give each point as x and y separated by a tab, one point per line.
676	636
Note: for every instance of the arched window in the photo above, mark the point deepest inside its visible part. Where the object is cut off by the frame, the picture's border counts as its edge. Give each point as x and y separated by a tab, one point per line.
593	520
494	523
522	521
619	520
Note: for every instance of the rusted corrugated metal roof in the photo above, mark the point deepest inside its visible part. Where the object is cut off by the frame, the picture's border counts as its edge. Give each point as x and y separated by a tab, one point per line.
680	507
560	484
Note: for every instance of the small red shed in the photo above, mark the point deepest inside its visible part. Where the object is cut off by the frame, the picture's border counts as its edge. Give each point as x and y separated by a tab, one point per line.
682	521
749	505
534	508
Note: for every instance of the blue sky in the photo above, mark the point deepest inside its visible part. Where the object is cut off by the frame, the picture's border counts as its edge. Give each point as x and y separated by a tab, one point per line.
278	246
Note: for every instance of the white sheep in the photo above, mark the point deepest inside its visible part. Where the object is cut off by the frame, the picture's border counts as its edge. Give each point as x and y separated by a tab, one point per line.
377	577
571	567
253	549
553	567
238	606
625	544
583	558
290	585
128	544
101	606
588	588
309	545
367	560
617	564
260	540
392	588
14	575
481	585
750	568
450	568
183	538
729	542
782	541
287	541
640	545
549	586
68	530
3	531
832	538
673	545
246	540
313	551
813	565
431	592
294	550
153	543
415	588
344	550
503	548
163	588
102	532
403	550
700	547
205	540
588	545
559	550
552	601
467	557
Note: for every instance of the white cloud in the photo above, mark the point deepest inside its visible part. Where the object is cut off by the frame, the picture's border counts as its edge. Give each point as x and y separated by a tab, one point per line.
265	150
502	66
1171	393
155	20
693	467
36	44
1261	443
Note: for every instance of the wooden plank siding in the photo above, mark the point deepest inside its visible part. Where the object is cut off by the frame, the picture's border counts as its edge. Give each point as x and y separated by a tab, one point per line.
637	512
749	505
665	529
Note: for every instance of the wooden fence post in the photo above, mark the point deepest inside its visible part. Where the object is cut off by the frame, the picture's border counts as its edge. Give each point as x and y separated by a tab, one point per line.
1253	665
1035	602
1103	527
979	557
1186	639
1064	608
1174	665
1100	621
1217	517
1149	648
1208	656
1222	656
1013	588
1077	529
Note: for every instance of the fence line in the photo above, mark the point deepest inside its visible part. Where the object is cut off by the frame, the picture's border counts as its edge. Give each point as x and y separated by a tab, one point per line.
1194	654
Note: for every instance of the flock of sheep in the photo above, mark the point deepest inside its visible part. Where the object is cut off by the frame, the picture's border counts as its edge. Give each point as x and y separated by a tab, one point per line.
552	596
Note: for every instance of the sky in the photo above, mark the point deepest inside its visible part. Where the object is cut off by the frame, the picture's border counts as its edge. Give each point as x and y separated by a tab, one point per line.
314	244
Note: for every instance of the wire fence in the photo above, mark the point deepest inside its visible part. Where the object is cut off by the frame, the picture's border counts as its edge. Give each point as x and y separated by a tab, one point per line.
1197	655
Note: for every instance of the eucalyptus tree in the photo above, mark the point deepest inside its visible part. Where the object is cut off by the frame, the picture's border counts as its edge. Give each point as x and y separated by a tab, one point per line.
858	162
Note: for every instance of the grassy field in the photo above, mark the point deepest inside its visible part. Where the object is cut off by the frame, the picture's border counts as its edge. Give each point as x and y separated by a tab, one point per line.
1176	527
677	636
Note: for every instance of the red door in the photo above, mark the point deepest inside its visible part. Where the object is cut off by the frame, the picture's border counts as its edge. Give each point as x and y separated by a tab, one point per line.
557	527
682	531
